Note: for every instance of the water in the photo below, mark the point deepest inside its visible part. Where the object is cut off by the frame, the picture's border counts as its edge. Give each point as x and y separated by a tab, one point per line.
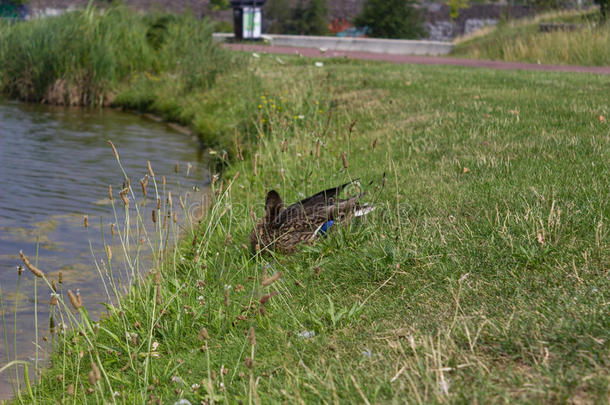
55	167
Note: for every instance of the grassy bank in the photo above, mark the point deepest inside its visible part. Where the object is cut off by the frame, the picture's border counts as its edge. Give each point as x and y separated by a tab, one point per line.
521	40
481	276
162	64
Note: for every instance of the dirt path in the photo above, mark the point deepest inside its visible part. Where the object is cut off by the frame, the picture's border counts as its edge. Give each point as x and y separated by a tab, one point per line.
422	60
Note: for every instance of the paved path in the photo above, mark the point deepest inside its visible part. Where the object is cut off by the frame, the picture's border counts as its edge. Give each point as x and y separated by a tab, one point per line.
422	60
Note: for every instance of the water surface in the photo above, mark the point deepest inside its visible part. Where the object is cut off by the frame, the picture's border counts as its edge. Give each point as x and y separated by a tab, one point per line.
55	167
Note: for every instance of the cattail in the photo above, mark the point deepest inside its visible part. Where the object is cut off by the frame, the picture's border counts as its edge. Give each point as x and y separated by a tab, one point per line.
109	192
112	229
181	202
150	170
123	195
86	221
96	371
170	202
36	271
252	336
240	155
255	171
318	144
60	277
176	167
272	279
154	216
169	215
175	217
158	203
203	334
163	181
53	286
344	158
109	252
128	181
53	300
116	154
144	183
74	300
374	143
52	328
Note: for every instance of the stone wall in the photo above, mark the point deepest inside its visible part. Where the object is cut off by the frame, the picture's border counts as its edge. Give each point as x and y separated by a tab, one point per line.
437	21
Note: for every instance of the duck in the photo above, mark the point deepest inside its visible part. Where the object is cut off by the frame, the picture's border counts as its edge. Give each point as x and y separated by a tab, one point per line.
283	229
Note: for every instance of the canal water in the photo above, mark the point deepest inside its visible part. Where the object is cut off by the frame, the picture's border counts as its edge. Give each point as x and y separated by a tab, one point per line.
55	168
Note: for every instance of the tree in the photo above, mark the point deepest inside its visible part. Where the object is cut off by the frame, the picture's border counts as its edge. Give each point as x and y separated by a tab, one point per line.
391	19
309	18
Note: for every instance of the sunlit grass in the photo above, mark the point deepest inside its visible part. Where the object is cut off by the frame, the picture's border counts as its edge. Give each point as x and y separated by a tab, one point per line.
481	276
521	40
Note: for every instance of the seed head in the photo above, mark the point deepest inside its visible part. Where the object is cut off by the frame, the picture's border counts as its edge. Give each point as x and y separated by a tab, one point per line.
36	271
150	170
344	159
116	154
76	303
109	192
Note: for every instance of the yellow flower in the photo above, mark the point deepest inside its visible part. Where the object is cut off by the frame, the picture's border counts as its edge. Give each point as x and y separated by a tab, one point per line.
260	106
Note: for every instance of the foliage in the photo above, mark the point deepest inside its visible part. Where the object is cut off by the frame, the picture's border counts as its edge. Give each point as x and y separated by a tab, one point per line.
455	6
307	17
604	9
311	19
118	57
391	19
522	40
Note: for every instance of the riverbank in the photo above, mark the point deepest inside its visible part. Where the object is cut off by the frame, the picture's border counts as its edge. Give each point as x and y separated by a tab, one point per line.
482	275
155	63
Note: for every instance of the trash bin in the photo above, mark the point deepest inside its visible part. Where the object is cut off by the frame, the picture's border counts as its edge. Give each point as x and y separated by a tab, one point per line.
247	18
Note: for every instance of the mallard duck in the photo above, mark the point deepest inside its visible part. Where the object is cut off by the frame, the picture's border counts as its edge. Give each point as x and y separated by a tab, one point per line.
283	229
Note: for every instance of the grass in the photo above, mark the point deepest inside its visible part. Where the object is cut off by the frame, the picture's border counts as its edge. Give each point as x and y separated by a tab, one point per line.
482	276
521	40
162	64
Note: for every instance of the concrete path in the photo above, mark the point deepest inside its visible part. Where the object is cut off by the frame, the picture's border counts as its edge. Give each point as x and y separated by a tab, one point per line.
422	60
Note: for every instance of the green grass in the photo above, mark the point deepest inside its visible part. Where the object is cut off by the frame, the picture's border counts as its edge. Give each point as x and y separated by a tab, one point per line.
161	64
482	276
521	40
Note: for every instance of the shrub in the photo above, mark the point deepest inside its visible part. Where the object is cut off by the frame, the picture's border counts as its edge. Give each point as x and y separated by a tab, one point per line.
391	19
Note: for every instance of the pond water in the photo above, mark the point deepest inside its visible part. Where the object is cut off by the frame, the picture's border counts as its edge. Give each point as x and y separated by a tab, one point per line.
55	167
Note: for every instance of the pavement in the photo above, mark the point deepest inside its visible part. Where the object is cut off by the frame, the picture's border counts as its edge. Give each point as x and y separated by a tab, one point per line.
420	60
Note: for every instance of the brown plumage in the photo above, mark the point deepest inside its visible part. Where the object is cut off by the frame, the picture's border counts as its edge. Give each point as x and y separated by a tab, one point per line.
283	228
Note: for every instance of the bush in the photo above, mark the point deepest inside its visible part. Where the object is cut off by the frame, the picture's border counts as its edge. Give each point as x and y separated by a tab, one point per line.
391	19
307	18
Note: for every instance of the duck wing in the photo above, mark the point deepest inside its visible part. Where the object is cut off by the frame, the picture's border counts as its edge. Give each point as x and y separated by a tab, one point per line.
314	206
